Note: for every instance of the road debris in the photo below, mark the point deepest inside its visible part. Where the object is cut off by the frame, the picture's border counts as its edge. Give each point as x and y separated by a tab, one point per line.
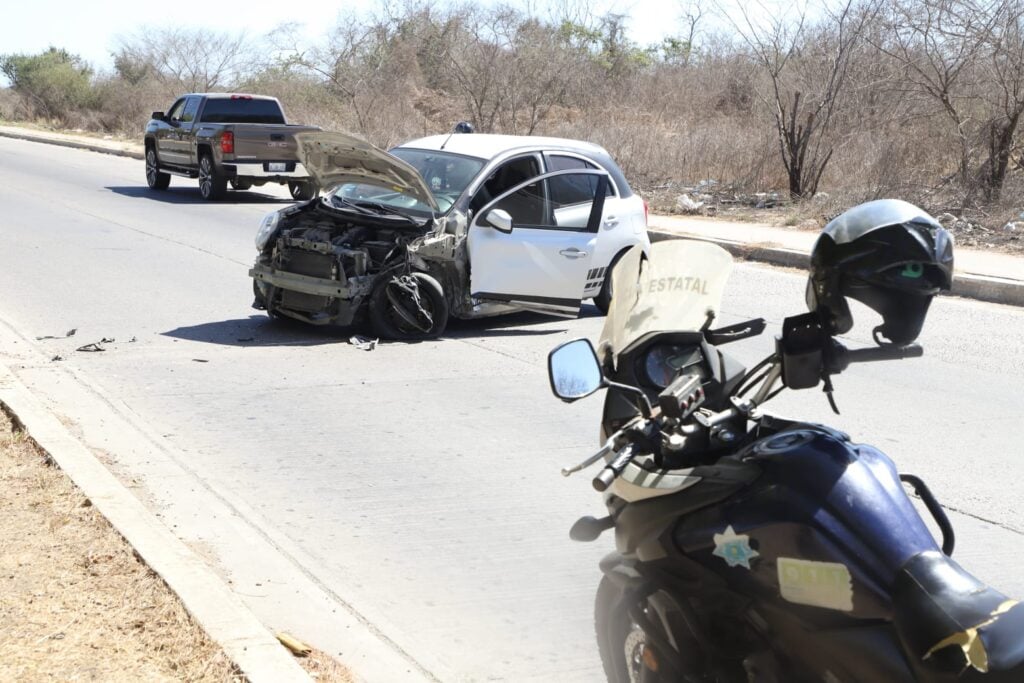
297	647
363	343
69	333
91	348
200	360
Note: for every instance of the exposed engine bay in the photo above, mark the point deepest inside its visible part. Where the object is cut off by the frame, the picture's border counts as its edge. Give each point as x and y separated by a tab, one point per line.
329	266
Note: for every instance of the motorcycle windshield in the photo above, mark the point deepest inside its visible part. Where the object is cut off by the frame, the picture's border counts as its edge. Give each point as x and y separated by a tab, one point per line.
673	290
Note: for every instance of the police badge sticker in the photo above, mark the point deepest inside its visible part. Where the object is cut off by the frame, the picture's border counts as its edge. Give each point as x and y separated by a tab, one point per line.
734	548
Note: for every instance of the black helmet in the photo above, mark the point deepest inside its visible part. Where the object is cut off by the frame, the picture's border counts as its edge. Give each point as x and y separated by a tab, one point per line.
887	254
463	127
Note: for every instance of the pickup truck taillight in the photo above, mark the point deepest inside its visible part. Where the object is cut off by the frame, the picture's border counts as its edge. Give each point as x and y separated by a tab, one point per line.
227	142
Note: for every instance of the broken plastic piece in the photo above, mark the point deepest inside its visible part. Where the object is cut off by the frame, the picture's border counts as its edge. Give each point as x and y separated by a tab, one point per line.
363	343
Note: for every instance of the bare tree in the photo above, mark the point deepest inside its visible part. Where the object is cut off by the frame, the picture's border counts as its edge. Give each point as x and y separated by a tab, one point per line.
807	68
194	60
1005	70
939	43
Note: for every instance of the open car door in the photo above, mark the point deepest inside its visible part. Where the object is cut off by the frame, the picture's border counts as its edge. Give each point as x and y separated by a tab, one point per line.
532	246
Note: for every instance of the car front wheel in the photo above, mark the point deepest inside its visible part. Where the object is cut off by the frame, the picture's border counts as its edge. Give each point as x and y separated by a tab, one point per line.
408	307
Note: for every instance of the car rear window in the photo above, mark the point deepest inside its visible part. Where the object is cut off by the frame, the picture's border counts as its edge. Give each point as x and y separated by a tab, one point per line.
242	110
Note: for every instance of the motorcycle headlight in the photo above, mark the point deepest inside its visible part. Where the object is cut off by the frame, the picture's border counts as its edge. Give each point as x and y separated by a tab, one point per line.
267	227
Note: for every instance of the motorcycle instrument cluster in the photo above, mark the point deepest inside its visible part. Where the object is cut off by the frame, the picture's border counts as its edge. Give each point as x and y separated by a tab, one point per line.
662	363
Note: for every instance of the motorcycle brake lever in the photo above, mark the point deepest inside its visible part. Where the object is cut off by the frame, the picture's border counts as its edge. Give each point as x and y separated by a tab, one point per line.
605	450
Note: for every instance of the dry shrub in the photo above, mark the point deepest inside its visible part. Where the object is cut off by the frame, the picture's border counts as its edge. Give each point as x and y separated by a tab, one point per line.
11	106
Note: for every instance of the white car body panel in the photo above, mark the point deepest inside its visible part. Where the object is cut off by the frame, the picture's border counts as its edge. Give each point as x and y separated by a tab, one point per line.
533	267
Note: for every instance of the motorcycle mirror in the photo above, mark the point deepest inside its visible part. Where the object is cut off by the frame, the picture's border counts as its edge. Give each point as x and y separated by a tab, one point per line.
574	370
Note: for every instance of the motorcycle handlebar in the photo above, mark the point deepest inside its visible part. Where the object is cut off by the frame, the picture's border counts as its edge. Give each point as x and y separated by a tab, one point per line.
840	357
612	470
884	353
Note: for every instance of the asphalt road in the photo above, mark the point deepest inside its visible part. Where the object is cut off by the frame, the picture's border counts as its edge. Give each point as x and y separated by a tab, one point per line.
420	481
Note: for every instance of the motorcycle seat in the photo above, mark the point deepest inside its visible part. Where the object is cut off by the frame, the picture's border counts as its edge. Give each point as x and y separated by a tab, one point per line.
949	618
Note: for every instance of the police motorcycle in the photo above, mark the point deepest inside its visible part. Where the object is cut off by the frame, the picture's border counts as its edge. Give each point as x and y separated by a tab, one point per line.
756	548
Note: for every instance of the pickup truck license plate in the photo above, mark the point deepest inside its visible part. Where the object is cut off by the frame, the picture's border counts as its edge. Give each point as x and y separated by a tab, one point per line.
280	168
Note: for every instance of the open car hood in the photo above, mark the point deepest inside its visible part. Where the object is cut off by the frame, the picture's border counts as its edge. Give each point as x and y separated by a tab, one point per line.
333	159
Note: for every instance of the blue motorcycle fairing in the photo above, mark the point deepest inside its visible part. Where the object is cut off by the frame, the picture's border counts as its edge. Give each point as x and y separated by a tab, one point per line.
822	499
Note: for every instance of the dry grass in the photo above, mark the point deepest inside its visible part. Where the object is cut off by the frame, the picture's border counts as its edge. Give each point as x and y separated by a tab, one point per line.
75	603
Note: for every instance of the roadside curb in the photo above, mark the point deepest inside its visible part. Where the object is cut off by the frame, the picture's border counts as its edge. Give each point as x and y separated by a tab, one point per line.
74	144
980	287
252	648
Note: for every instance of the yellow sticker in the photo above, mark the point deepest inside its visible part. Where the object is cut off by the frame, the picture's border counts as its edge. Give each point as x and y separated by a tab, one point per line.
819	584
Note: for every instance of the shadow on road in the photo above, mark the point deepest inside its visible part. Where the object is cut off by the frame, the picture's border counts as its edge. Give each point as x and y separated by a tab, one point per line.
190	195
260	330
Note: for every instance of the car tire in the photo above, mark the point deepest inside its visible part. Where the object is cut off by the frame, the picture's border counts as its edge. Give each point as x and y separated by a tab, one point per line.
302	190
241	185
212	185
395	312
603	300
155	178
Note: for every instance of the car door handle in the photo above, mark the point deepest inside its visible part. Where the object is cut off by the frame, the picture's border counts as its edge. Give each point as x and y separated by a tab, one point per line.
573	253
611	221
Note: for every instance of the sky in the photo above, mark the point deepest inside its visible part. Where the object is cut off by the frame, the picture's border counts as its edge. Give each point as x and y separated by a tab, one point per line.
90	29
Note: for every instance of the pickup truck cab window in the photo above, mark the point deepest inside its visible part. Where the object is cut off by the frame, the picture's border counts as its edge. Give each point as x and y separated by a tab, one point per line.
175	113
188	114
242	110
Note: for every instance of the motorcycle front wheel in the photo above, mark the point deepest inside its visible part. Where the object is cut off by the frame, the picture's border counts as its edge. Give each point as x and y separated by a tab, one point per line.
622	643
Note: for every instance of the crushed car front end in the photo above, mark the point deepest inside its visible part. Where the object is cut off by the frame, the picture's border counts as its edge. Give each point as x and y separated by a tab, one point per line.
319	264
354	251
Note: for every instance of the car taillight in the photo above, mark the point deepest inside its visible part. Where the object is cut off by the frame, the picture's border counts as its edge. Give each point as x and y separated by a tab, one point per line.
227	144
645	211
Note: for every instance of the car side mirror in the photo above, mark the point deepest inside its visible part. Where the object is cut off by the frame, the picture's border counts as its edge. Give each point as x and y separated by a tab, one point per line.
574	370
158	115
499	219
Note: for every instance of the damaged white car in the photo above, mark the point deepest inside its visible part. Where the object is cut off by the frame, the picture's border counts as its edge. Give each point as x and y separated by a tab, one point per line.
461	225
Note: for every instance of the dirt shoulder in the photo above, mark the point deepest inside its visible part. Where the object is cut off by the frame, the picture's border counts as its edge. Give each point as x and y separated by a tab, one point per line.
75	602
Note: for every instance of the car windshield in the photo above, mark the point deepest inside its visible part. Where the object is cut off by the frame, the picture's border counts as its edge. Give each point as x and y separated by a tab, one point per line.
446	175
379	199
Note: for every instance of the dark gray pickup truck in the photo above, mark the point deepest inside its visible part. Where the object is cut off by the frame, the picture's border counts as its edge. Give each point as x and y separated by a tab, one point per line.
223	138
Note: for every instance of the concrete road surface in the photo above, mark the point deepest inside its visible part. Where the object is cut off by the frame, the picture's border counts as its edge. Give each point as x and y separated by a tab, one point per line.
416	485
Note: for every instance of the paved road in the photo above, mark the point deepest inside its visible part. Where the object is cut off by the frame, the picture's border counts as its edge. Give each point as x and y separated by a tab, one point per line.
420	481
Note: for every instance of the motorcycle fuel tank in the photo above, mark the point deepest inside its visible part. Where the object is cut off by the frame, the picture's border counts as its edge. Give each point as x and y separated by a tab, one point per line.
823	530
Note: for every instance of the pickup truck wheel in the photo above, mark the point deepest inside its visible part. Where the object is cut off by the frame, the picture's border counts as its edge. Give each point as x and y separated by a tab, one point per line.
212	185
301	189
408	307
154	178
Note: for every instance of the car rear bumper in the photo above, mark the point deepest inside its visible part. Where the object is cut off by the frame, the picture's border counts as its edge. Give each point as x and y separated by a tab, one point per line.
261	170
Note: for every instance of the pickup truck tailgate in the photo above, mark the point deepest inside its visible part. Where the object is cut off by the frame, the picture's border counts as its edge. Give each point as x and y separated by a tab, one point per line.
265	142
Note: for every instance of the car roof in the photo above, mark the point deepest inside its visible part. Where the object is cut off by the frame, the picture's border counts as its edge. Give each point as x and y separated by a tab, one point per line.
487	146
